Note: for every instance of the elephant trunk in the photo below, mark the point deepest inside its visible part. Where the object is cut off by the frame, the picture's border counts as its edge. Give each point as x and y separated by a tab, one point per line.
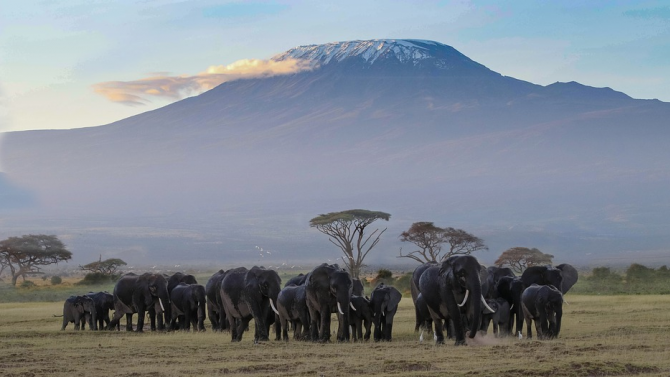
475	288
343	303
559	314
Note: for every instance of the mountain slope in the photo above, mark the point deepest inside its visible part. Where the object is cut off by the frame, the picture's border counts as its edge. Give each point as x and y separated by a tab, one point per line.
409	127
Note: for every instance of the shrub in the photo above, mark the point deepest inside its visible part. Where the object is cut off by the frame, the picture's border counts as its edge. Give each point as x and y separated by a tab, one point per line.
94	278
27	284
55	280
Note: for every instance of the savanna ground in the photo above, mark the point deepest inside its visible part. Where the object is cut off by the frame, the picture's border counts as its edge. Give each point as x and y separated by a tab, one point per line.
601	336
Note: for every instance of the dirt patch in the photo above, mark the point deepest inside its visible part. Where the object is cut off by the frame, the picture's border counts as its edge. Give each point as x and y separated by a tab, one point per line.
585	369
406	366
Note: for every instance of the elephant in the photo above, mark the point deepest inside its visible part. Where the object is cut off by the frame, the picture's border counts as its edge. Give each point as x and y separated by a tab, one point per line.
360	318
188	301
511	289
328	287
104	302
570	276
296	280
423	318
543	275
494	275
292	307
247	294
179	277
215	312
384	300
454	291
500	319
79	310
140	294
357	287
544	305
419	309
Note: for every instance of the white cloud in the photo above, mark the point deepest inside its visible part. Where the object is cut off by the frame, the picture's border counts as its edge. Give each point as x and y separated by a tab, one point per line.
138	92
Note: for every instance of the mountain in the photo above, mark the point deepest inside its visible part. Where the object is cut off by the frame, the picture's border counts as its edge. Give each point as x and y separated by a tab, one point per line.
409	127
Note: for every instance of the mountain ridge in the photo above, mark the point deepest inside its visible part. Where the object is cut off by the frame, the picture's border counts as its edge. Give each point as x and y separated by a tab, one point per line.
257	158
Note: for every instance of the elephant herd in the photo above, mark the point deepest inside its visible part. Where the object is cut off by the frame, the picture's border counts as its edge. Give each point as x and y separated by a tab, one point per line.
234	297
464	298
458	295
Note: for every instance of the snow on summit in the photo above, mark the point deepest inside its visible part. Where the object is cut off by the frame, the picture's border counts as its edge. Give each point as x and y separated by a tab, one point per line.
404	50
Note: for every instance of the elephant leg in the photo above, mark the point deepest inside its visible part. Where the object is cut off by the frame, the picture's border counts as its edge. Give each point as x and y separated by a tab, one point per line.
212	319
284	329
140	320
65	322
495	329
529	329
368	325
388	329
77	320
324	330
242	325
129	322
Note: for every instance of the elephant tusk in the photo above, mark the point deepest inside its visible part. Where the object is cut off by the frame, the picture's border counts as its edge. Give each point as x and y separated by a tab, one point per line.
511	307
566	302
352	306
487	305
434	336
161	302
520	336
467	293
273	307
339	308
421	337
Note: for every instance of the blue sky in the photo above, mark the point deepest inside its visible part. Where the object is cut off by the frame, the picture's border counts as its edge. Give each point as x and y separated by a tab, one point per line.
53	53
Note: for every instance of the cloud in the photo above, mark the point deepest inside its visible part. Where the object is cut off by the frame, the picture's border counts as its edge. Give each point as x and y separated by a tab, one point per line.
138	92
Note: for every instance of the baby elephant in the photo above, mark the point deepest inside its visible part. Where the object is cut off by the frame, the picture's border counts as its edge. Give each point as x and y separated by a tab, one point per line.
384	301
544	305
79	309
500	319
188	305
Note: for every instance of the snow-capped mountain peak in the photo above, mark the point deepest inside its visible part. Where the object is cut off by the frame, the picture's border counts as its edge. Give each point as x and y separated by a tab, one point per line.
411	51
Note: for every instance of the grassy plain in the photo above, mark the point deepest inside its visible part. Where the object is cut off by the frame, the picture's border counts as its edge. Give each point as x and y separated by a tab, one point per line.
601	336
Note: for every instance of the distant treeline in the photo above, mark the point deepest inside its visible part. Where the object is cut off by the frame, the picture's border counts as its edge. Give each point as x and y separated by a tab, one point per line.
636	279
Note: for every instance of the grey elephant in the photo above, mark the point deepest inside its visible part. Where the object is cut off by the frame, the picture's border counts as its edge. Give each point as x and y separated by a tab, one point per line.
494	275
215	312
384	300
420	309
296	280
188	304
543	275
141	294
357	288
510	289
360	317
453	292
292	307
248	294
79	310
500	318
104	302
544	305
328	289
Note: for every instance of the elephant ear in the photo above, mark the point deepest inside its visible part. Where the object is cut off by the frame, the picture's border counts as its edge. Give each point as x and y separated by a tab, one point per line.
393	299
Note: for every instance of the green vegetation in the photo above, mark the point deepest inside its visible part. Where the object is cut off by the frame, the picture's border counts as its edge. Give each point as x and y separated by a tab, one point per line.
430	240
55	280
636	280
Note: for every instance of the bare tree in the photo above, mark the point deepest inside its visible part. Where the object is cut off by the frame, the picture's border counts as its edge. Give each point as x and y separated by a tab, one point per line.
24	255
431	239
346	230
520	258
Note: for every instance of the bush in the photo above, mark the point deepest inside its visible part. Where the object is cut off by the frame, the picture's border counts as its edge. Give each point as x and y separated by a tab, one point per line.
27	284
95	278
55	280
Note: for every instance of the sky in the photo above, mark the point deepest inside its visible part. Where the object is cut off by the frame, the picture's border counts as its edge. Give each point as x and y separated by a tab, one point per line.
61	62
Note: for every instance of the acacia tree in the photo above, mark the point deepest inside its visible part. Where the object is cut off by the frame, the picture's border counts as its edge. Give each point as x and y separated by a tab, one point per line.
430	240
520	258
108	267
346	230
25	254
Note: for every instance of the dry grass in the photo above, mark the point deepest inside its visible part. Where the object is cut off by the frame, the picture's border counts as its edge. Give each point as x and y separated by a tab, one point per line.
601	336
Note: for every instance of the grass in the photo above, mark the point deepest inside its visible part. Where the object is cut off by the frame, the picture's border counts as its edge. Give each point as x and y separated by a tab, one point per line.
601	336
